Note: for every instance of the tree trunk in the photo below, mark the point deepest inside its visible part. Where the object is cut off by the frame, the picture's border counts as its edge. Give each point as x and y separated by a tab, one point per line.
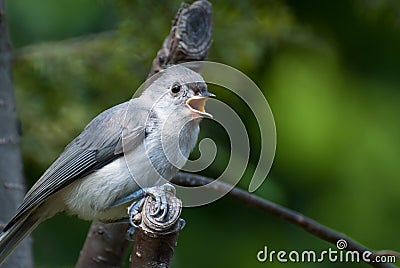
12	187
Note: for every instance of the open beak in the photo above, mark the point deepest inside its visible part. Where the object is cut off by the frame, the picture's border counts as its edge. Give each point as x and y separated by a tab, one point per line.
196	105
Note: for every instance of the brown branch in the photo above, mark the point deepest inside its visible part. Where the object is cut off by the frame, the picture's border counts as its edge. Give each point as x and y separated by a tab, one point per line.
101	248
189	40
156	229
306	223
153	251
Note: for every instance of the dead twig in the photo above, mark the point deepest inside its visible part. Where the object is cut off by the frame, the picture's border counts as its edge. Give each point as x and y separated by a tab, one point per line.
306	223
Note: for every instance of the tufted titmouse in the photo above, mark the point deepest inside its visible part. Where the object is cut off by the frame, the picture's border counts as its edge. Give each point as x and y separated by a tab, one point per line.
126	147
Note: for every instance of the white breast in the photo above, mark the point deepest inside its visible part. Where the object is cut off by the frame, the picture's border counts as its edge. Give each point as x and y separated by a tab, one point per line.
91	196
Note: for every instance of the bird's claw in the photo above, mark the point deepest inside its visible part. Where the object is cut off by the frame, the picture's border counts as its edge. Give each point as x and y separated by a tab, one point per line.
157	212
134	212
159	194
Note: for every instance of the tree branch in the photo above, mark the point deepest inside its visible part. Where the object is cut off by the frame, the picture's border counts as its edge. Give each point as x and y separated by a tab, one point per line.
189	40
156	229
101	248
306	223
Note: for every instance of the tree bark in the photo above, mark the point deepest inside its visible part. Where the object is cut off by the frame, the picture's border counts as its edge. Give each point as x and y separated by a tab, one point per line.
12	188
154	252
189	40
101	249
156	229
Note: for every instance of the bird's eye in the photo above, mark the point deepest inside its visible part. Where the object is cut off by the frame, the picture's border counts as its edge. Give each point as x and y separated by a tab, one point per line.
176	88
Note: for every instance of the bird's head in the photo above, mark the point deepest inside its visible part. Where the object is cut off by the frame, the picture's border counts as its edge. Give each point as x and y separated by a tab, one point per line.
178	91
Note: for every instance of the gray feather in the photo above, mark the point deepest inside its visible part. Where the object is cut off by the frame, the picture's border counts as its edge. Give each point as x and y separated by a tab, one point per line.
10	239
99	144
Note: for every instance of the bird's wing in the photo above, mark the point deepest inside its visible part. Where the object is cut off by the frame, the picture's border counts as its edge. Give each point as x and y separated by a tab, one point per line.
95	147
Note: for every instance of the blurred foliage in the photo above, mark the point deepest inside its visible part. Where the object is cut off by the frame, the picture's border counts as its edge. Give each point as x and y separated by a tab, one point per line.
330	71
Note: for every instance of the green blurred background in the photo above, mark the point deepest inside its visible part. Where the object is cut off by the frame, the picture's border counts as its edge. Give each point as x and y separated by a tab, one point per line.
329	69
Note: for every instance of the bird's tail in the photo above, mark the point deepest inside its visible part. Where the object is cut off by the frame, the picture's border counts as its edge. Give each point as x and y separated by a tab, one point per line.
14	234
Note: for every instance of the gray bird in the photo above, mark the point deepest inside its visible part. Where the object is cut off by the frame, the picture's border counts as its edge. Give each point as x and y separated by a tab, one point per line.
125	148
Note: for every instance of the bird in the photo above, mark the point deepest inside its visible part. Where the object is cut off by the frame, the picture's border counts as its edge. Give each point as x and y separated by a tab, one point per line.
136	144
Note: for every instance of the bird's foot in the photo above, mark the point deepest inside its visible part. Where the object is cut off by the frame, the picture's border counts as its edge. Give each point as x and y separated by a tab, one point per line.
160	208
158	202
